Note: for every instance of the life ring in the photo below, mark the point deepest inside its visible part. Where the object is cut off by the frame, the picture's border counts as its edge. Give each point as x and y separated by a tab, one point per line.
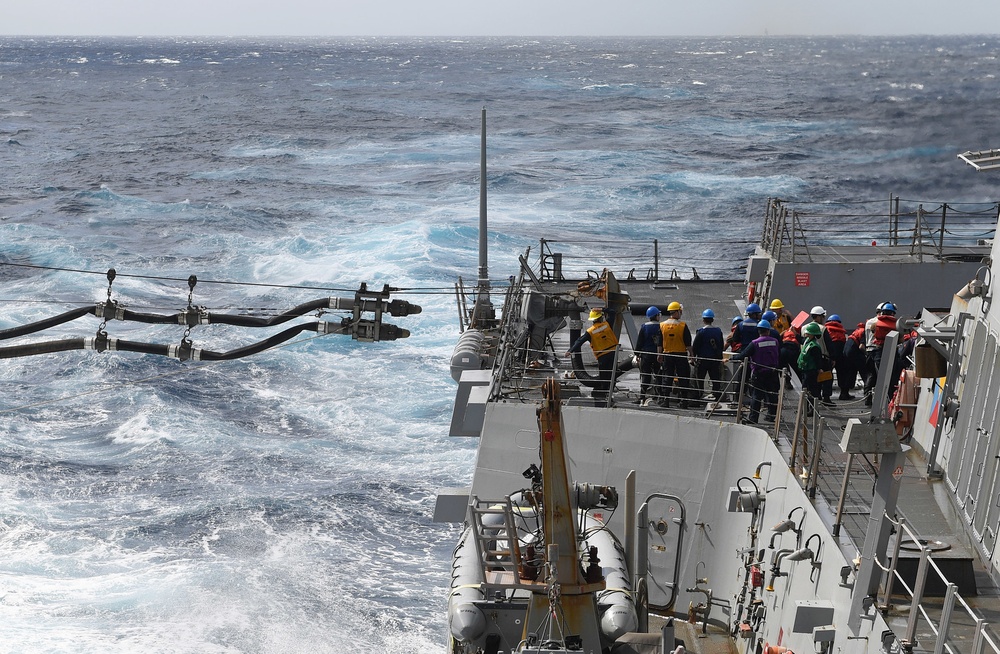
902	406
751	291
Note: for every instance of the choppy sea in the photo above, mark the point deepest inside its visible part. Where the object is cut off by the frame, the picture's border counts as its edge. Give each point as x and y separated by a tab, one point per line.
282	503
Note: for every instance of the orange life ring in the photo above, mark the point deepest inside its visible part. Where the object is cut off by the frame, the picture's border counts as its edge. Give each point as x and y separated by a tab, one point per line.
901	407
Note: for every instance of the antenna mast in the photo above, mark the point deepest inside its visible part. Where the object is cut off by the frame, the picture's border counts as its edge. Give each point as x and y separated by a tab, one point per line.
484	274
483	314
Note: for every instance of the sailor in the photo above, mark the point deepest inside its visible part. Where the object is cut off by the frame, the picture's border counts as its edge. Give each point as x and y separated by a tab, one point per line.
810	359
649	347
732	341
707	346
764	354
908	338
604	343
770	317
790	348
825	379
677	356
747	331
784	317
854	352
841	363
876	329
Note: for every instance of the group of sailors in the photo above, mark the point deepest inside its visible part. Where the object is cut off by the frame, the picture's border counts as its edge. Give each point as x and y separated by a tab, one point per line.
667	353
678	365
820	346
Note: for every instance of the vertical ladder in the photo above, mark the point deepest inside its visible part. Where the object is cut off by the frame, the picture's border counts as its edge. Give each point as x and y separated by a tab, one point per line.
497	545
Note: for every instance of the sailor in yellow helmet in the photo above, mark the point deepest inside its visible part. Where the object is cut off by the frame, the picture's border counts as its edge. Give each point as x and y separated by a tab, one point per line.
677	355
784	319
604	343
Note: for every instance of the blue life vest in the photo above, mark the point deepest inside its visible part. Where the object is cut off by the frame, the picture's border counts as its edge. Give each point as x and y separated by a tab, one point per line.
708	342
649	337
748	332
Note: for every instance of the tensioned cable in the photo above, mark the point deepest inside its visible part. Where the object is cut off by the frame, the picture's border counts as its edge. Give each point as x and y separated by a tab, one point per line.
218	281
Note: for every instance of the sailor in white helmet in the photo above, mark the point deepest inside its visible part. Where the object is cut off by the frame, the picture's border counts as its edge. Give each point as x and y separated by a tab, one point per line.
825	379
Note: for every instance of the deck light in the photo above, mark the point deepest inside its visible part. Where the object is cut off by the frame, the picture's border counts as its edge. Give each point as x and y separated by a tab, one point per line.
748	501
800	554
788	524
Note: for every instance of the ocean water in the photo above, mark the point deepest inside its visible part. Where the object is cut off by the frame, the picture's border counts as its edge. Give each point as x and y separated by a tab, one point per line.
281	503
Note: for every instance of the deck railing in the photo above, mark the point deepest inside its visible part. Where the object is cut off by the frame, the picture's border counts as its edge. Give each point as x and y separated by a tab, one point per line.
648	260
927	229
943	620
575	259
922	229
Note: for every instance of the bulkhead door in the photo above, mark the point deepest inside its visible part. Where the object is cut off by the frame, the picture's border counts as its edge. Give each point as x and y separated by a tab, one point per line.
965	388
972	424
991	521
983	418
984	522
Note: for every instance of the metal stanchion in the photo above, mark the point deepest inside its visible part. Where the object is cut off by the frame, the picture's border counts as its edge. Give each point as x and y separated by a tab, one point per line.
781	399
609	400
795	432
843	496
891	573
918	596
743	385
820	425
946	610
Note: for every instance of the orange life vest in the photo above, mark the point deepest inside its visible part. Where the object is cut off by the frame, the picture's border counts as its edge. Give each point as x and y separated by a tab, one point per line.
878	328
782	322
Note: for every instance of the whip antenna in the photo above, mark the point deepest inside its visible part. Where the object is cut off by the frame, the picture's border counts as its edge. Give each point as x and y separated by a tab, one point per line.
483	313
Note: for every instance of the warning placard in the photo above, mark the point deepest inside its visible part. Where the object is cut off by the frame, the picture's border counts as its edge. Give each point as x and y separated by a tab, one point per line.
802	279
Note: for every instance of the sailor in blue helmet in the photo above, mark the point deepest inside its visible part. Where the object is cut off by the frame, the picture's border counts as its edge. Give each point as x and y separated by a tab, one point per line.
771	317
763	354
846	375
876	329
746	333
707	345
648	347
